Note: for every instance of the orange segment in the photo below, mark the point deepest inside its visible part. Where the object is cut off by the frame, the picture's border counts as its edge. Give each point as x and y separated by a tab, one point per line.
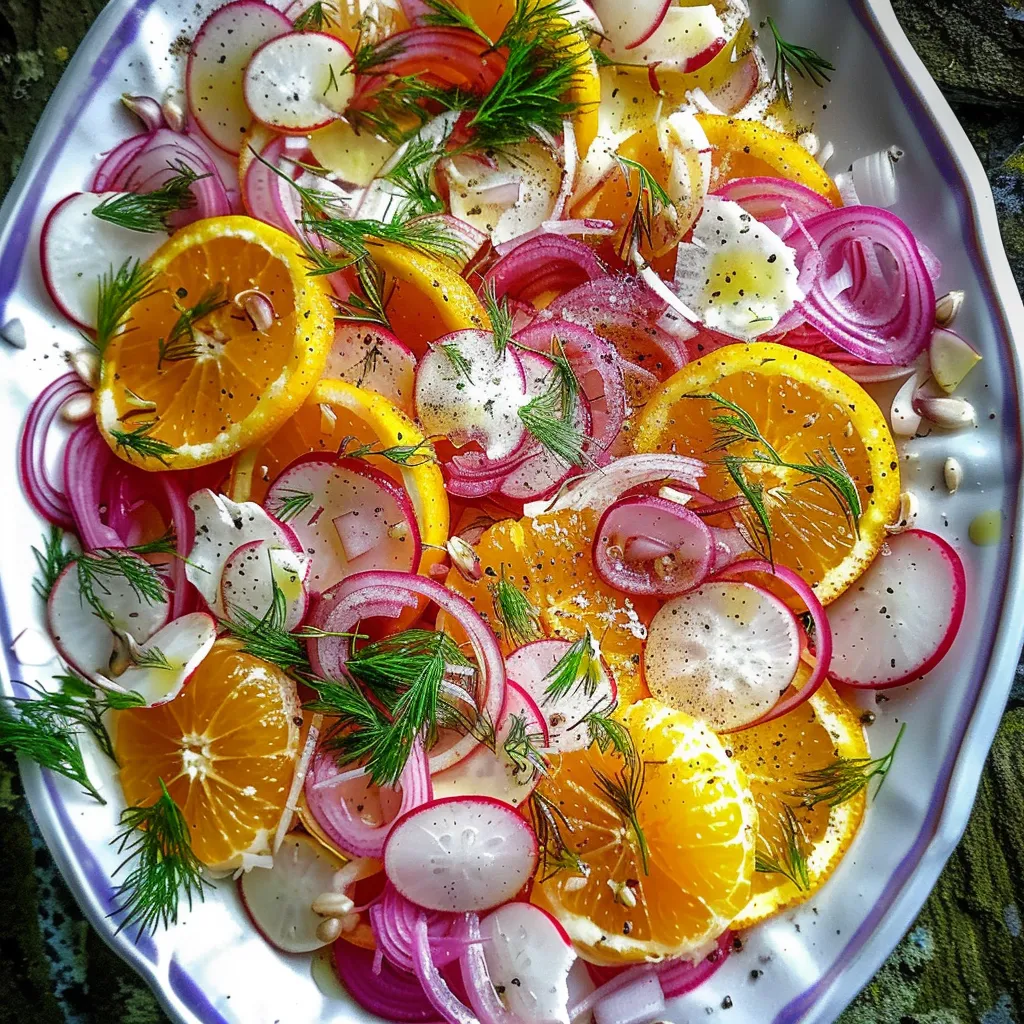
773	756
429	298
336	410
225	748
805	408
220	384
548	558
747	149
698	816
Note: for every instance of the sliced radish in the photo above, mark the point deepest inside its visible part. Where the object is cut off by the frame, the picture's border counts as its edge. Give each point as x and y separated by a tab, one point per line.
372	357
629	25
298	82
528	956
249	576
497	773
166	661
724	653
356	518
896	623
280	901
220	52
646	545
84	640
532	667
77	248
468	391
461	854
951	358
222	526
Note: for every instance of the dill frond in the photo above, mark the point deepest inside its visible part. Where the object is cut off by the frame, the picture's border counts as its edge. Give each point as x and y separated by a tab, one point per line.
117	291
181	342
807	63
550	825
519	619
522	748
790	859
845	777
149	212
290	503
140	441
579	668
52	561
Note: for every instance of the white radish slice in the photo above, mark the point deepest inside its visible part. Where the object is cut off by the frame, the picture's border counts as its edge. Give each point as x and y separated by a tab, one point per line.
84	640
897	622
222	526
529	956
77	249
372	357
460	855
628	25
297	83
496	773
685	40
356	518
169	657
724	653
248	579
279	901
951	359
531	665
220	52
468	391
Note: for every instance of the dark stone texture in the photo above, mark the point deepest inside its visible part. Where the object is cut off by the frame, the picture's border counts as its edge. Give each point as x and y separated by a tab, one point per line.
963	961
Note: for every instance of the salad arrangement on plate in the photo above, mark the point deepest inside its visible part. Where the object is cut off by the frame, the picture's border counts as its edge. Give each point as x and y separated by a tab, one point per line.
473	523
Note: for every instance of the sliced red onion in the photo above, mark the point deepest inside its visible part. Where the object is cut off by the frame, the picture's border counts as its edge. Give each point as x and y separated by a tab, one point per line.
268	196
678	977
599	489
583	227
393	918
547	263
596	365
774	200
639	1002
471	239
875	316
46	499
323	791
381	989
370	594
437	991
822	632
87	460
650	546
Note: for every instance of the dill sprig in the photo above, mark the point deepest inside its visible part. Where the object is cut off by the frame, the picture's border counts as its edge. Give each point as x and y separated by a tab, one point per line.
52	561
608	734
370	304
140	441
624	791
156	842
429	237
461	365
444	14
519	618
411	175
522	748
290	503
316	18
42	730
370	54
845	777
265	637
79	701
97	568
550	825
181	342
398	109
149	212
501	318
734	425
409	455
790	858
807	63
549	416
579	668
117	291
151	657
652	201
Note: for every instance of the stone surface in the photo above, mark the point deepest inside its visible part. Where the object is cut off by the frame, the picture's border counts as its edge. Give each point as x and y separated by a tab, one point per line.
961	963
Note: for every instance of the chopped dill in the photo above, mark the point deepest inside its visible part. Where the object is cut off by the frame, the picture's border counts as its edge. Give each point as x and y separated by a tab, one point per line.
117	291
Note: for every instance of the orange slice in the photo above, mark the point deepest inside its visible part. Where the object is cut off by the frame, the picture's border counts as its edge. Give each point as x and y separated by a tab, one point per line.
225	748
548	559
697	814
806	409
773	756
747	149
429	299
176	395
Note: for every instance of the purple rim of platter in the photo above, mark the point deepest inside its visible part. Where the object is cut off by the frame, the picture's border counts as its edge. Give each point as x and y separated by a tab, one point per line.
141	952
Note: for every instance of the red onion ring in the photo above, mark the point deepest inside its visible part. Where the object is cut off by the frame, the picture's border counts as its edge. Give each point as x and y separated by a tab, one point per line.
597	367
369	594
381	989
115	160
774	199
46	499
87	461
477	979
543	264
853	304
656	527
351	834
181	518
267	196
436	989
822	633
393	919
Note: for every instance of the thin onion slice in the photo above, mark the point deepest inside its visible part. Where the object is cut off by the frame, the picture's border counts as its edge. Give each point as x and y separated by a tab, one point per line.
547	263
380	988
